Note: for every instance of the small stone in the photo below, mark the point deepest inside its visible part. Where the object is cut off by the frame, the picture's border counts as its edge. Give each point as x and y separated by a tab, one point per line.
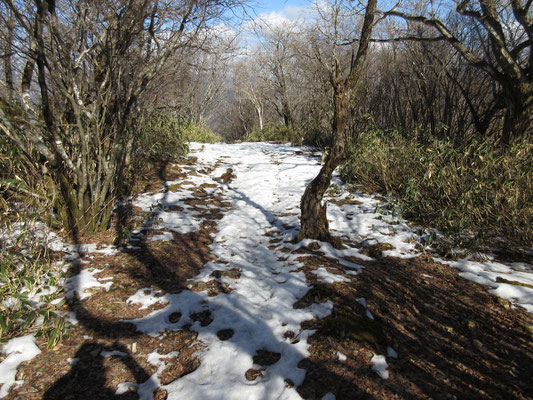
289	383
225	334
472	324
265	357
252	374
174	317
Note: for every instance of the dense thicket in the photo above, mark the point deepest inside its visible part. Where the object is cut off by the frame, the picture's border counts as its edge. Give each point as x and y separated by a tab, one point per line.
76	76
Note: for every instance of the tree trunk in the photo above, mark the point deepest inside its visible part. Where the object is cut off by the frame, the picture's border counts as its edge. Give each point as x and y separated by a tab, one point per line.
287	116
518	120
314	221
260	116
8	51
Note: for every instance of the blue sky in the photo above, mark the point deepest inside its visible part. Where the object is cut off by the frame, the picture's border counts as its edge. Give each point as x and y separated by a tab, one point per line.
266	6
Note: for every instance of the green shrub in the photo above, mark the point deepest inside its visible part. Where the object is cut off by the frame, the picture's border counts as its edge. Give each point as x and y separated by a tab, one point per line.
316	134
275	133
160	136
194	132
476	188
22	275
26	267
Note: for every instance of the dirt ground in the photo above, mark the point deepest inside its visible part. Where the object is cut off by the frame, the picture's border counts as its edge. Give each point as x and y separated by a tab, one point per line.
453	339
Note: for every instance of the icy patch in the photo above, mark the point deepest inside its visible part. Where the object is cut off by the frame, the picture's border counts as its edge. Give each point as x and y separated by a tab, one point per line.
328	277
379	365
17	351
83	281
329	396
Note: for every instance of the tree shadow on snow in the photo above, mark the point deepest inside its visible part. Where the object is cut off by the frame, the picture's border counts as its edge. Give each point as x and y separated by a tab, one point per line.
169	272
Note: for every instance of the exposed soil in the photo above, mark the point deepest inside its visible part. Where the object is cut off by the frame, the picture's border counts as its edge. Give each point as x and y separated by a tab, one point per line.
453	339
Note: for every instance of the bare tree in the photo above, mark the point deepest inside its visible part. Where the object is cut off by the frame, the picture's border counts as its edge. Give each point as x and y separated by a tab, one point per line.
249	86
344	77
505	30
85	65
278	55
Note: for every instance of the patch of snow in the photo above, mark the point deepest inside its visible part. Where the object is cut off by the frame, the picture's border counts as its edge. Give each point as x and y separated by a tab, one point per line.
379	365
163	237
259	307
155	358
71	318
146	390
146	297
126	387
499	277
341	356
113	353
109	250
17	351
329	396
324	275
362	301
83	281
391	352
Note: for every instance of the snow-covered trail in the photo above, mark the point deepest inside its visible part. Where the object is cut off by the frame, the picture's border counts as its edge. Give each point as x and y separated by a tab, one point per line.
252	335
264	194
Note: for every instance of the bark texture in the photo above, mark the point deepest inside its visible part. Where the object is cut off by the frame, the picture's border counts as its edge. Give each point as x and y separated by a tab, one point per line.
313	220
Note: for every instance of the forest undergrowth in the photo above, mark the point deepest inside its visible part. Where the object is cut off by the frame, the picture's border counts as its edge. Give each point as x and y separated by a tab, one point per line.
476	191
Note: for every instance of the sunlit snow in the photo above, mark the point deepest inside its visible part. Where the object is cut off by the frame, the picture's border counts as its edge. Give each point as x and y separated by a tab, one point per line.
264	196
